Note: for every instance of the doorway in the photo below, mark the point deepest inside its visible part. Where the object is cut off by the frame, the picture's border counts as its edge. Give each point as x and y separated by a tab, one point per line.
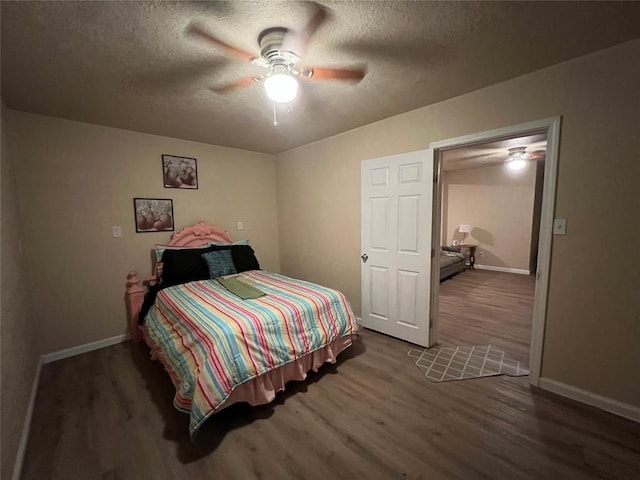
491	197
541	233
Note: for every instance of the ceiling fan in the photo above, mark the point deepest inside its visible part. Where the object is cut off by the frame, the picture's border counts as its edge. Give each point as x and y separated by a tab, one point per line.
280	52
518	156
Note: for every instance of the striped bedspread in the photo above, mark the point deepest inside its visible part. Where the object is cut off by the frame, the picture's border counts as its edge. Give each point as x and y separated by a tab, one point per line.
211	341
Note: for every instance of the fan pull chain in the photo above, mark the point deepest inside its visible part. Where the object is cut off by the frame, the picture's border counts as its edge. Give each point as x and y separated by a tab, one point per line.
275	116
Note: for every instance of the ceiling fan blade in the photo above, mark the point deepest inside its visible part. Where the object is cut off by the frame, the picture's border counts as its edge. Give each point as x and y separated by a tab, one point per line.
199	30
538	154
242	83
297	41
321	73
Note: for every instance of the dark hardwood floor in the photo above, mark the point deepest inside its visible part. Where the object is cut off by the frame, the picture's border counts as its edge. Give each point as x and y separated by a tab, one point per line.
480	307
108	414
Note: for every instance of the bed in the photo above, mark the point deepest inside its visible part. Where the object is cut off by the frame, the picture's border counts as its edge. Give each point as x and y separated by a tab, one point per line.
238	337
452	262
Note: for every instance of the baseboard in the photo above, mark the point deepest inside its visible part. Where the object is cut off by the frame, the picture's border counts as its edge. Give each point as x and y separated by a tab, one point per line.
87	347
26	428
583	396
519	271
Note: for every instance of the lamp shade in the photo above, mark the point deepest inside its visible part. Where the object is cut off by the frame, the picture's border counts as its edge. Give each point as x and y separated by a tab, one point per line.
516	165
464	228
281	88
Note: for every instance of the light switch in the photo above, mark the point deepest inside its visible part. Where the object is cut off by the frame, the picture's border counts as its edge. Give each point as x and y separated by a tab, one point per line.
239	226
116	231
560	226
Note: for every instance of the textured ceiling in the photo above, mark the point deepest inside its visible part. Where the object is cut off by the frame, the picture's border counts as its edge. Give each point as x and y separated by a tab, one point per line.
131	65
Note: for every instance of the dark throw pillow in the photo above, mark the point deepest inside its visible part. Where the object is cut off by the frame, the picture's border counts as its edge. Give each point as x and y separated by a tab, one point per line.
219	263
243	256
182	266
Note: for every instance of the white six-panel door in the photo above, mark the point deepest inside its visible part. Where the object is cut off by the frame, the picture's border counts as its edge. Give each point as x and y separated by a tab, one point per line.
397	197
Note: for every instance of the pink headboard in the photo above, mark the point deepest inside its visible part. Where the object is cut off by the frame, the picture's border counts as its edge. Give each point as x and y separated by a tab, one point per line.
199	234
196	235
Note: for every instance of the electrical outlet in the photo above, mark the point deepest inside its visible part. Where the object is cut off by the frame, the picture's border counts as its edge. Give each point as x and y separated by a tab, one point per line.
116	231
481	253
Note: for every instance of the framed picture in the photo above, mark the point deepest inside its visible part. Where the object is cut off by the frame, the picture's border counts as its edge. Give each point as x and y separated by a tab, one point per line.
153	214
179	172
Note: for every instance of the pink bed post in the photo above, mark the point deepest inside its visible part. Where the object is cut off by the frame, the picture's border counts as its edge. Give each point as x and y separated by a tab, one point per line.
134	296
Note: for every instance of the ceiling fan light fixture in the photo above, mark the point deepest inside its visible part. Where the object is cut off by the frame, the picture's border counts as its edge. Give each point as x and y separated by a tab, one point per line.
281	87
516	165
517	159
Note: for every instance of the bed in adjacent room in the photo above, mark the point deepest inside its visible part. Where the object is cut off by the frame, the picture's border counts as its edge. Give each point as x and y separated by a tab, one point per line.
452	262
227	331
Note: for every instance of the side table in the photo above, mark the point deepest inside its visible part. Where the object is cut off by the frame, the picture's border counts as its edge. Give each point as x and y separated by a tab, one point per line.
472	254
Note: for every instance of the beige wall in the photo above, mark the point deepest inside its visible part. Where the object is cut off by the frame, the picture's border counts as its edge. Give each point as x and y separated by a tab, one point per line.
593	318
19	357
76	180
498	204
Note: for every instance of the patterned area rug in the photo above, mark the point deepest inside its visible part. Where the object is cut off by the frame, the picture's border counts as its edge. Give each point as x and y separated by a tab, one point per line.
459	363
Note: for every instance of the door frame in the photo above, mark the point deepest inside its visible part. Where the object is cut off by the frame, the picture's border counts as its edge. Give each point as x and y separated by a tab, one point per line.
552	127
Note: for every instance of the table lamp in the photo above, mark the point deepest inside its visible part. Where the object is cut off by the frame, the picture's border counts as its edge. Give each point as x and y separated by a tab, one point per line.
464	230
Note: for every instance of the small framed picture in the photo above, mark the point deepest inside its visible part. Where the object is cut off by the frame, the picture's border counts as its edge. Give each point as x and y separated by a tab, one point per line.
153	214
179	172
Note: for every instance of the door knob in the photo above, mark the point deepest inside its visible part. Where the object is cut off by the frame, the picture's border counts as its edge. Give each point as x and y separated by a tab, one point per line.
364	258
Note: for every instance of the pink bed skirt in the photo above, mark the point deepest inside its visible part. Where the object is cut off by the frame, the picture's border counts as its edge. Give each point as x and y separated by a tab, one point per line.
263	389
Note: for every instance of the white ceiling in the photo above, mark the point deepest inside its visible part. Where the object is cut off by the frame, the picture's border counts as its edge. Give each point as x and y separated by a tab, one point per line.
131	65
